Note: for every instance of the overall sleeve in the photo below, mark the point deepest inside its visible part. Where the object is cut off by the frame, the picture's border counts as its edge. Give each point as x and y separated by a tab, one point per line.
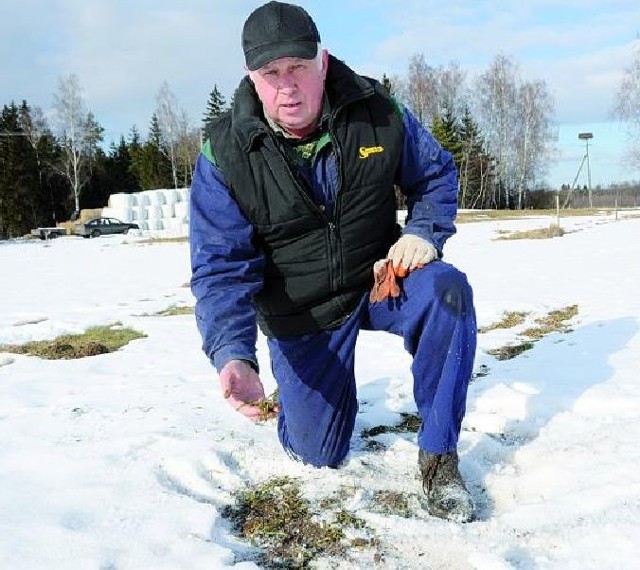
226	269
428	178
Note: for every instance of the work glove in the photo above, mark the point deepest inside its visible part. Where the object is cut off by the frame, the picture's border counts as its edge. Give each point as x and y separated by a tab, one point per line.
242	388
384	281
410	252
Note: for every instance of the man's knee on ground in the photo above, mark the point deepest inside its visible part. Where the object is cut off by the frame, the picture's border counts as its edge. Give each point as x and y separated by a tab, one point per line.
320	457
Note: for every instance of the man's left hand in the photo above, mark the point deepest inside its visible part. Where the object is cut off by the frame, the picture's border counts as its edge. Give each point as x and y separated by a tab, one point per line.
410	252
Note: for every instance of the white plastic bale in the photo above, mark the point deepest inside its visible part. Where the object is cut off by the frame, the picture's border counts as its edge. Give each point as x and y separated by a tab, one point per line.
167	211
120	201
173	224
184	194
140	212
154	212
156	197
181	209
125	215
171	196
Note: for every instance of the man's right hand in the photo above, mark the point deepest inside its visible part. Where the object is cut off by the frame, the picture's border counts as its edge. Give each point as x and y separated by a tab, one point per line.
242	388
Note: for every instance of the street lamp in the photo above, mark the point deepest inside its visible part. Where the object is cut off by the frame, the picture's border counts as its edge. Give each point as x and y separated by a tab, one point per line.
586	137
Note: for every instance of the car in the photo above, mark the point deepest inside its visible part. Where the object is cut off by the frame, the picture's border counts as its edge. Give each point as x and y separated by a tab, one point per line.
103	226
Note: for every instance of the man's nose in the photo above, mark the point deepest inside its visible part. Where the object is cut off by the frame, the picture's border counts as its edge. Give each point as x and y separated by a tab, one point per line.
287	81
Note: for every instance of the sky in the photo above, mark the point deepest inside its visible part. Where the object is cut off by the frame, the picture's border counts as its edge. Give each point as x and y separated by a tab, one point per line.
127	460
123	51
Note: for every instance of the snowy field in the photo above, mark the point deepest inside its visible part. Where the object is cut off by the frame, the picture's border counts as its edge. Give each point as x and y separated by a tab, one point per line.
126	460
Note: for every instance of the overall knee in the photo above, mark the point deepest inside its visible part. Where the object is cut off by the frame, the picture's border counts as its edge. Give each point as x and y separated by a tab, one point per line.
324	457
453	290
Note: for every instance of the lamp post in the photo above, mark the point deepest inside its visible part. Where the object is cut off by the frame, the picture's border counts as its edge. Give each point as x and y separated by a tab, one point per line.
586	137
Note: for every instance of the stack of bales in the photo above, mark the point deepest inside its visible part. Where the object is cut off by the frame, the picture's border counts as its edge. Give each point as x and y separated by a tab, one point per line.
163	212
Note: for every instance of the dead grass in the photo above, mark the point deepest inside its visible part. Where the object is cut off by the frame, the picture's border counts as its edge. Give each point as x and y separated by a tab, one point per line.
508	352
162	240
275	517
94	341
292	532
509	320
538	233
410	423
172	311
487	215
391	503
554	321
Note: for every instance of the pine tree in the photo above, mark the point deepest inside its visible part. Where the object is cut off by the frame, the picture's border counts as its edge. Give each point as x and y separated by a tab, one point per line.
446	130
215	107
18	181
476	169
149	164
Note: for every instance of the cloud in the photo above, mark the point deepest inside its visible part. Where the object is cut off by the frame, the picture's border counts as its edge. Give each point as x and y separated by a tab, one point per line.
122	51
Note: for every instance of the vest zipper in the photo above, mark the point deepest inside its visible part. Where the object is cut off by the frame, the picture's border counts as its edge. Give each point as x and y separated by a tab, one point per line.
335	267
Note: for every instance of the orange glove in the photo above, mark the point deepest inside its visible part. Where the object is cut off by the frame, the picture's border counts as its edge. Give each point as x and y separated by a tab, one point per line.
385	284
386	278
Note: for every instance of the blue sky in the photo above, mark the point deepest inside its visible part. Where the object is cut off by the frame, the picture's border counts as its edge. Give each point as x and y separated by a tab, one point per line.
122	51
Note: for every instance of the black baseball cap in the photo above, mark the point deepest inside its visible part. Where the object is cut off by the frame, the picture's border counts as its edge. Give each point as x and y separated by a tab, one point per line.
278	29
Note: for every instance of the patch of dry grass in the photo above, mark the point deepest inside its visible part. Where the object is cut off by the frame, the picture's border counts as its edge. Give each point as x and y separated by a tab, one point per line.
509	320
538	233
487	215
410	423
554	321
277	518
94	341
162	240
172	311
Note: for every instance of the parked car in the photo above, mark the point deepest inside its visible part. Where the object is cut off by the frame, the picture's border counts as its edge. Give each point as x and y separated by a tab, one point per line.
103	226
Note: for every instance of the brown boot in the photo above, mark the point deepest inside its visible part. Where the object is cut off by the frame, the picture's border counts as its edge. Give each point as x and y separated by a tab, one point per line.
447	496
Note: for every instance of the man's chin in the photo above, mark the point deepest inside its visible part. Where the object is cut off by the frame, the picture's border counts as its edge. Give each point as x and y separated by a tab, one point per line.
297	128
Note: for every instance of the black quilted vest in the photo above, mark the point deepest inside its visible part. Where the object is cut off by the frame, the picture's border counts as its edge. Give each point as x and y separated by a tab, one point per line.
317	268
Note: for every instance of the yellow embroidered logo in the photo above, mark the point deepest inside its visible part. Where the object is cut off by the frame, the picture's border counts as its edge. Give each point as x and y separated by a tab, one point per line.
365	151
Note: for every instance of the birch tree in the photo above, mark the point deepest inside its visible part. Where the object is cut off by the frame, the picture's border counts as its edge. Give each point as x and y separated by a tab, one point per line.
496	103
420	90
77	133
168	114
532	136
515	117
627	104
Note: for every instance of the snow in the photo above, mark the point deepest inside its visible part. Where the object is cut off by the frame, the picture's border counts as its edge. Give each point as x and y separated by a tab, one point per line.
126	460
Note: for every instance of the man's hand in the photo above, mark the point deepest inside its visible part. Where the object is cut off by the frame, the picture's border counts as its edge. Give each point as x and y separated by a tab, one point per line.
410	252
242	388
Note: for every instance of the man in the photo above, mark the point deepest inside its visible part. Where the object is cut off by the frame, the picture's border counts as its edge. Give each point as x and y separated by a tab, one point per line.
292	204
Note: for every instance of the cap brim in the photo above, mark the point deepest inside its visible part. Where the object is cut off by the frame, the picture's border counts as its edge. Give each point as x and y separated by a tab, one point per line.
262	55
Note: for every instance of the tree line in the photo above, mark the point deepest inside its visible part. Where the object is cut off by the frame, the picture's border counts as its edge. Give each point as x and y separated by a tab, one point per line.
497	126
53	167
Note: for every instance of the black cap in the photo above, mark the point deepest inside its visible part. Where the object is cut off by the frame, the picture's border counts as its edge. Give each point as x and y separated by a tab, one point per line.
276	30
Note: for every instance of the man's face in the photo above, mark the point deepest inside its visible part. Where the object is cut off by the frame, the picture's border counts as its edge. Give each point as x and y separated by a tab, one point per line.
291	91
